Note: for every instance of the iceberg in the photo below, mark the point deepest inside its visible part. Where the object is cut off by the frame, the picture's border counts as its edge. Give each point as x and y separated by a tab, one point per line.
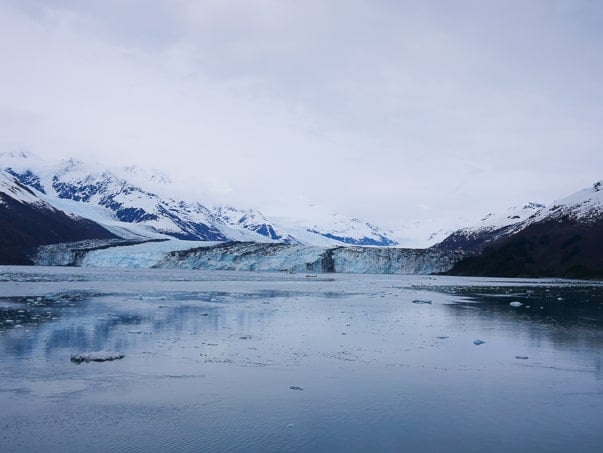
98	356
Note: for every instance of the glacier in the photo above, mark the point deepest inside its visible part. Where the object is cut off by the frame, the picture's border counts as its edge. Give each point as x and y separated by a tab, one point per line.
247	256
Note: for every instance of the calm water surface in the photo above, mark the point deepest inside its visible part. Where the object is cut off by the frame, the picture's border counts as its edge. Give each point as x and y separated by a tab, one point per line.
210	359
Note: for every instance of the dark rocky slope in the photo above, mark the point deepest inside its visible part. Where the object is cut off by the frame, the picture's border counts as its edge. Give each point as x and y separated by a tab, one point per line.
554	248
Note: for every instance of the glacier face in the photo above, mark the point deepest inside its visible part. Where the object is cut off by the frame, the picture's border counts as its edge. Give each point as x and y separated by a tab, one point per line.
247	256
299	258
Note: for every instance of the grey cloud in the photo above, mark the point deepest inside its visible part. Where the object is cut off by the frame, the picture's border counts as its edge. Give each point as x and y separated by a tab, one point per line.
357	105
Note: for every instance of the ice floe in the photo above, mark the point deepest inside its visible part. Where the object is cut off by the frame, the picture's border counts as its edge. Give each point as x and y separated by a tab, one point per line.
98	356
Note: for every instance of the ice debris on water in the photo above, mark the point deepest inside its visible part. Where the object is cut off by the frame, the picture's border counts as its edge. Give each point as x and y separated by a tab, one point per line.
418	301
98	356
521	357
295	387
515	304
477	342
135	331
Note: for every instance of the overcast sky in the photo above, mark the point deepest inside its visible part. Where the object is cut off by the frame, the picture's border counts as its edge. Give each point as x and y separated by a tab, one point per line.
395	111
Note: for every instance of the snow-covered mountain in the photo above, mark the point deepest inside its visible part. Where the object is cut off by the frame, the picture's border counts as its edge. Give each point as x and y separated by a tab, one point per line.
12	190
128	202
583	206
253	221
351	231
490	228
27	221
560	240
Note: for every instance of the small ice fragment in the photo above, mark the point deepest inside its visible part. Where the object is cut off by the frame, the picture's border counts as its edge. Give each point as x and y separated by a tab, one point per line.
134	331
418	301
515	304
521	357
295	387
98	356
478	342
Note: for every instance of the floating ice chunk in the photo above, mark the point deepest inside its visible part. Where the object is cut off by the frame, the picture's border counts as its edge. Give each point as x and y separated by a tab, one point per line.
477	342
521	357
295	387
135	331
515	304
417	301
98	356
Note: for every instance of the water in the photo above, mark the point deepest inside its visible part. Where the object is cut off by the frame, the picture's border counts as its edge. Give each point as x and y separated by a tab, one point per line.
210	359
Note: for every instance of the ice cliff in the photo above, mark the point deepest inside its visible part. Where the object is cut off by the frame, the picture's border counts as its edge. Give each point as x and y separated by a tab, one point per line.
247	256
243	256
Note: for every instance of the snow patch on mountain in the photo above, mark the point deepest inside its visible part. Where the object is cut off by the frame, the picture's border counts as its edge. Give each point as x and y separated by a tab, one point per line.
351	231
10	187
584	206
251	220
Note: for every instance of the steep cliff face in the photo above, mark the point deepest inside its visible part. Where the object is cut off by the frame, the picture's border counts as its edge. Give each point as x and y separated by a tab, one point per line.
296	258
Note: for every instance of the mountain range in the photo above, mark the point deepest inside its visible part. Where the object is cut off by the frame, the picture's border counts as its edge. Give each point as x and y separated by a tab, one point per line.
124	203
45	203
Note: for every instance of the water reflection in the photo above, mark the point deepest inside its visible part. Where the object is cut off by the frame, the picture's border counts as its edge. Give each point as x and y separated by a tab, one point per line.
84	322
212	364
567	319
